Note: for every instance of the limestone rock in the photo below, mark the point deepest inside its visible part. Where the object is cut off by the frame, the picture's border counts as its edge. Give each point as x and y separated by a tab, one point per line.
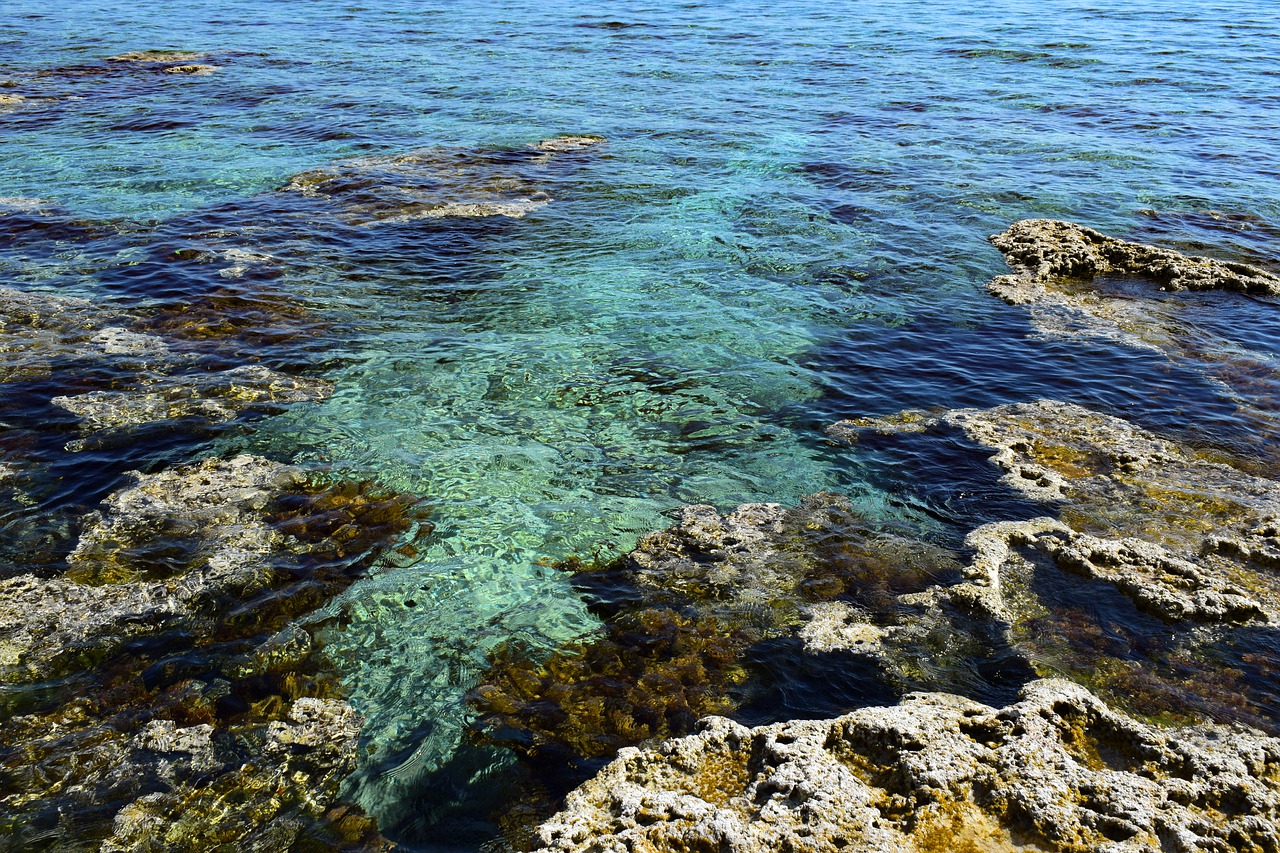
1041	249
168	552
1058	770
212	397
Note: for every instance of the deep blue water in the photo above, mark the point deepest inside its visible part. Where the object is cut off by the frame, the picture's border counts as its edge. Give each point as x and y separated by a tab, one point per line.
785	226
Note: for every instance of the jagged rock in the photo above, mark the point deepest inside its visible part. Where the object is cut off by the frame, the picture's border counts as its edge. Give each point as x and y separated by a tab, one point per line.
38	330
214	397
561	144
251	806
434	183
1042	249
1189	541
167	552
1057	771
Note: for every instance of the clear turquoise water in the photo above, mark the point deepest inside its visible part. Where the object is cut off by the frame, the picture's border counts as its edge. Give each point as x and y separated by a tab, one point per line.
785	226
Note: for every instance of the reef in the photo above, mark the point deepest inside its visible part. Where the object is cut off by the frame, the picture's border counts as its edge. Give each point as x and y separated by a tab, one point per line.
436	183
163	692
1056	771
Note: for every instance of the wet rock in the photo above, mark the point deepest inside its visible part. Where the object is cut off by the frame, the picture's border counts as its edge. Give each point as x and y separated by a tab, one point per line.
248	785
300	763
1042	249
561	144
177	704
1058	770
1155	586
37	331
213	397
434	183
157	56
184	549
196	70
168	552
11	100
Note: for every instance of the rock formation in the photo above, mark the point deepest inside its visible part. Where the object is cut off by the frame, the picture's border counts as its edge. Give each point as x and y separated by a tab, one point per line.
1057	771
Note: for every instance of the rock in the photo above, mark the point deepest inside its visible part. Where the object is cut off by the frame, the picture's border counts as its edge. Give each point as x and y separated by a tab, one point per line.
1058	770
184	550
157	56
1042	249
196	70
213	397
1155	586
10	100
561	144
168	552
435	183
180	707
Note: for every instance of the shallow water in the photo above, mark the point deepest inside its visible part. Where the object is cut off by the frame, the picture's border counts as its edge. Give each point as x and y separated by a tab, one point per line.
785	226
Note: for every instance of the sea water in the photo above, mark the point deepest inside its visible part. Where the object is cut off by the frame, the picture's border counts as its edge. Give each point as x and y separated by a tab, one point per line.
784	226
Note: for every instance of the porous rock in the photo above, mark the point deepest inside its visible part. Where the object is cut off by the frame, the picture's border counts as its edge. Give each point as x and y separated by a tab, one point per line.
168	552
212	397
1042	249
1056	771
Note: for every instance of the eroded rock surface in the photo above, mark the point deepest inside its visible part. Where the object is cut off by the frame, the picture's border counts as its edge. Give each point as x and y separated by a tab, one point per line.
213	397
1156	583
1042	249
1057	771
167	698
180	550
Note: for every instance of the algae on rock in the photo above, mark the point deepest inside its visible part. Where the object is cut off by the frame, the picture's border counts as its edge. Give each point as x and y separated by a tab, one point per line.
1057	771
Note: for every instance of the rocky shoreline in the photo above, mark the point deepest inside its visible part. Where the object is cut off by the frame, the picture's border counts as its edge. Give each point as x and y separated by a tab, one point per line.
1131	754
165	686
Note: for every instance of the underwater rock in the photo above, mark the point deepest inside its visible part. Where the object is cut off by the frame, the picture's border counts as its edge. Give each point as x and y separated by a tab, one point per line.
196	70
160	56
168	552
249	784
186	549
434	183
1156	584
166	699
214	397
686	611
11	100
38	330
1058	770
1042	249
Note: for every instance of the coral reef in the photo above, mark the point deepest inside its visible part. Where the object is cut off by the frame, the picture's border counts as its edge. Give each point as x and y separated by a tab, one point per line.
1057	771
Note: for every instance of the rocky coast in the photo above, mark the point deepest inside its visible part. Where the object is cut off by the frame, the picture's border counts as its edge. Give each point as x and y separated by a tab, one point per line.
1149	582
1094	676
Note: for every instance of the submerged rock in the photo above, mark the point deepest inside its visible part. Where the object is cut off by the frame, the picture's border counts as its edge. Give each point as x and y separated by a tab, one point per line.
167	700
435	183
159	56
213	397
1057	770
181	550
1155	586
